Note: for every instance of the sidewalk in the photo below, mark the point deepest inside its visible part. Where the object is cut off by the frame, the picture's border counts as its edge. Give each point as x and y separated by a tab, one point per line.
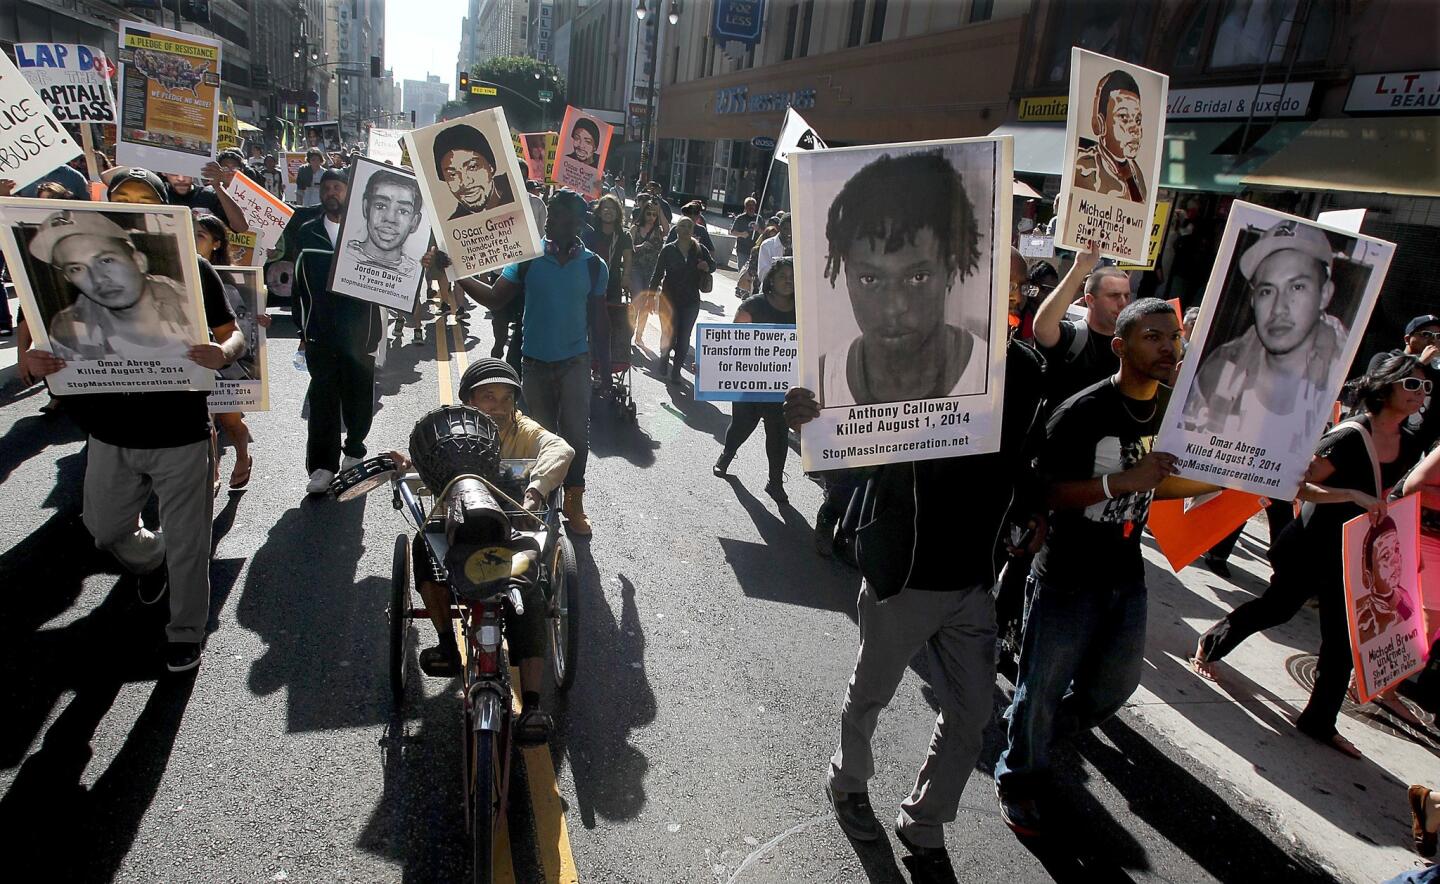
1351	815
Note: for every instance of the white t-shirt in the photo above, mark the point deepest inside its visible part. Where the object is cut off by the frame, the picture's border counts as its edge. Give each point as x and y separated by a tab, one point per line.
770	249
332	230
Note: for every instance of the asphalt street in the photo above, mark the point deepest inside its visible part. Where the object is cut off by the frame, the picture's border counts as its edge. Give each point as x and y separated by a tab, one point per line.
715	647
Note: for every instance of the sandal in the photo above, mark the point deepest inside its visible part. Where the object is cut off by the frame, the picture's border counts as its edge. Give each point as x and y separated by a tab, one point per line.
1391	702
1424	840
533	727
1338	743
441	661
240	480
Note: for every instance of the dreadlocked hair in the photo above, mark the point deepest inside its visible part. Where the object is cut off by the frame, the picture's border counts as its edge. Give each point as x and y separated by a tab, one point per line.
893	199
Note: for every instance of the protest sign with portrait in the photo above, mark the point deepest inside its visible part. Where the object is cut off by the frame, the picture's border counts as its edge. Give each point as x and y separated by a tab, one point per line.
385	148
1110	172
539	153
114	289
244	385
744	361
901	273
32	142
582	151
382	237
1382	597
472	180
292	161
265	215
169	95
1283	314
73	80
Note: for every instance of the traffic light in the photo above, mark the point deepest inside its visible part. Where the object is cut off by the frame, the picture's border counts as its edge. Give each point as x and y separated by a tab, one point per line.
412	119
302	113
464	83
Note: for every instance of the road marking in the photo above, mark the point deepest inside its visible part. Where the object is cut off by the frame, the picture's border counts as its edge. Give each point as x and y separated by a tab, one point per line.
442	359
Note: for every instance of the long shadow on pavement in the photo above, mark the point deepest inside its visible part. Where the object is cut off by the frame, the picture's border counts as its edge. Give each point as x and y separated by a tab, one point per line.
30	436
611	697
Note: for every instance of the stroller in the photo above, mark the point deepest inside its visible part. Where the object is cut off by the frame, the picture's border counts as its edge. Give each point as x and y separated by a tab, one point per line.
620	356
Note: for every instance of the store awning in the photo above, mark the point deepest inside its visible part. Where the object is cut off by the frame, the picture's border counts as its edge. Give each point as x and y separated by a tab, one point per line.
1038	146
246	127
1207	156
1397	155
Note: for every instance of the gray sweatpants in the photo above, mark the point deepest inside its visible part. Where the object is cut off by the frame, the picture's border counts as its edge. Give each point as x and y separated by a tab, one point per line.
557	397
118	482
957	632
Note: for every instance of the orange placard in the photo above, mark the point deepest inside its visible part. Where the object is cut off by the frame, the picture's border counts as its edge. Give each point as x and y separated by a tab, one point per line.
1184	534
1382	597
1175	305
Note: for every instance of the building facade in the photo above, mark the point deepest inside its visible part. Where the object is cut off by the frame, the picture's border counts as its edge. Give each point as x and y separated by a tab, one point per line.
425	97
867	71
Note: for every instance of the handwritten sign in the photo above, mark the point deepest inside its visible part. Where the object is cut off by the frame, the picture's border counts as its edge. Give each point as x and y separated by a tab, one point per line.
32	142
73	80
266	215
1382	597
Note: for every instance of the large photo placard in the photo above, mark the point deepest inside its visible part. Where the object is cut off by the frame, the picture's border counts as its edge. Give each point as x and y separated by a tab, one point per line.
744	361
169	100
114	290
32	143
244	385
581	154
73	80
1283	314
382	237
1382	597
902	260
472	180
1110	171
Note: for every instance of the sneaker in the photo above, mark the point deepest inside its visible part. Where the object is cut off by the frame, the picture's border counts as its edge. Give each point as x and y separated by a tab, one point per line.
418	337
441	661
825	521
854	814
926	865
320	482
1218	566
1022	815
151	586
347	462
182	656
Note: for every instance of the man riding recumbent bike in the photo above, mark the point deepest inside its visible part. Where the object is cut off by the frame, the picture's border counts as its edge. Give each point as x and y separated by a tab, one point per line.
488	552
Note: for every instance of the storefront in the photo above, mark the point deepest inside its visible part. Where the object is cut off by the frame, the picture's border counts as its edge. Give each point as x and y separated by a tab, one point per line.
949	84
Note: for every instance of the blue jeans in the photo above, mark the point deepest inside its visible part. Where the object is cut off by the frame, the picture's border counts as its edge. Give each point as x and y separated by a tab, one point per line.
1080	660
1428	875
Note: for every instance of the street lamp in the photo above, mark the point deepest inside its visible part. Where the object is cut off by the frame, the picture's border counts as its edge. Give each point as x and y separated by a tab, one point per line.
674	18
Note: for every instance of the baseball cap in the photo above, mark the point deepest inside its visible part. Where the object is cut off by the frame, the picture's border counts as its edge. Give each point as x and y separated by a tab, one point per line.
335	175
62	225
145	176
487	371
1420	322
1287	235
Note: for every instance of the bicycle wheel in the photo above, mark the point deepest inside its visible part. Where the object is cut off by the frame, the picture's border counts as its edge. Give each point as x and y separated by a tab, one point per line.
484	800
564	617
399	616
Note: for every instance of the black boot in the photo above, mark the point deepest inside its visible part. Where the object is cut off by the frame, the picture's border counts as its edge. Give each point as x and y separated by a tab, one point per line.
722	466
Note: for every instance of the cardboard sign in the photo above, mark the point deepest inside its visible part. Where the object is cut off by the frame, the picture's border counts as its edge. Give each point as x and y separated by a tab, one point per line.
265	215
1158	226
32	142
475	191
907	360
1037	245
244	385
292	161
583	150
73	80
744	362
1282	317
169	100
1111	165
382	237
229	133
385	147
1185	531
1382	597
537	152
242	249
130	335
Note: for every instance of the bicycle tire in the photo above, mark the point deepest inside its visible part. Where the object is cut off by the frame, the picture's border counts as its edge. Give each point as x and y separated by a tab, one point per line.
399	617
564	621
484	806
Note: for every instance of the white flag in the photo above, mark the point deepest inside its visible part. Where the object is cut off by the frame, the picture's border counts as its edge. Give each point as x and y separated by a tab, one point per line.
796	134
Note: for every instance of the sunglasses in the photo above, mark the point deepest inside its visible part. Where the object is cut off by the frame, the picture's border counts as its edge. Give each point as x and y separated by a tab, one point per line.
1410	385
1428	335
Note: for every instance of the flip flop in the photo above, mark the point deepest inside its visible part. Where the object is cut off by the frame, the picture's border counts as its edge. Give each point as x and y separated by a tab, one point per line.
1424	840
240	481
1339	744
1396	707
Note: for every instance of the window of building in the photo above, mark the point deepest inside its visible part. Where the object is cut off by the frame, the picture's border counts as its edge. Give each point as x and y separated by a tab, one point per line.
877	21
1240	34
807	18
981	10
1117	28
792	19
857	23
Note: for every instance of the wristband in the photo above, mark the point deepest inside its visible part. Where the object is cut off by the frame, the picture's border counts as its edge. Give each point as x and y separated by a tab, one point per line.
1105	486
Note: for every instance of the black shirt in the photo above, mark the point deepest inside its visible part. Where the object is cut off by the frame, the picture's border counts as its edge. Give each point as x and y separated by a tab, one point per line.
1066	376
199	198
678	272
759	308
1094	433
155	420
1345	448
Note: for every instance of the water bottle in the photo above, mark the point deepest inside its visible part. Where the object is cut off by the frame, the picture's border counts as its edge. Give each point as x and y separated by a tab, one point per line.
299	361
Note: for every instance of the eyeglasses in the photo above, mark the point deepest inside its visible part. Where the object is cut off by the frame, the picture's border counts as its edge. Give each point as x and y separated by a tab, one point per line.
1410	385
1428	335
1026	289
